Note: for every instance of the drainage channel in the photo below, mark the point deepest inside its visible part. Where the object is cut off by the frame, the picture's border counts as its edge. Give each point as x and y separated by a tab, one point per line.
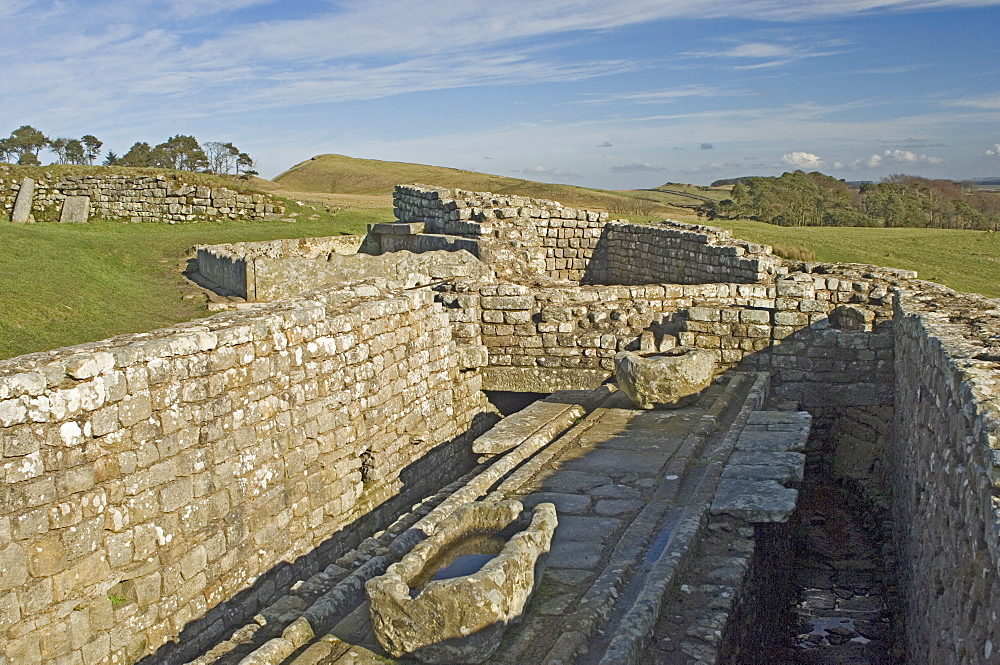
844	609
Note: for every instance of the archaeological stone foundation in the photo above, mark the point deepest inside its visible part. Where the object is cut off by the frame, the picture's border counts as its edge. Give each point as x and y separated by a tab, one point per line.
159	491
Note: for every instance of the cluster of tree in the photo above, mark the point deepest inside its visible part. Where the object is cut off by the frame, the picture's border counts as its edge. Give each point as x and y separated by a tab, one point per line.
186	154
178	152
814	199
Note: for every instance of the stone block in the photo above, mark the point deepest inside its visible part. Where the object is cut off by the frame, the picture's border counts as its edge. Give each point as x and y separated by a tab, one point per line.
75	210
22	204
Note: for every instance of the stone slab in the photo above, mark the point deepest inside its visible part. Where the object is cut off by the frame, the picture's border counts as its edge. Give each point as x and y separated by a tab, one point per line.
779	418
778	473
619	462
398	228
779	441
575	555
22	204
793	464
547	418
564	503
754	500
75	210
572	481
614	507
614	491
576	528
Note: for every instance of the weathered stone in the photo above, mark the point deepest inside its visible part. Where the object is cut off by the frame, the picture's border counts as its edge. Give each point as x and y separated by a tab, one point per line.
664	379
75	210
22	204
461	620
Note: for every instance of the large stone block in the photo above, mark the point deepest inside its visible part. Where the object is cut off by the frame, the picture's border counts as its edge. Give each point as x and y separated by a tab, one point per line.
75	210
22	204
666	378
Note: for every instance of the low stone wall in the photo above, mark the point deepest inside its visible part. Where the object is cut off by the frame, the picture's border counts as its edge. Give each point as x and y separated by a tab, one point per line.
264	271
153	198
946	470
677	253
165	485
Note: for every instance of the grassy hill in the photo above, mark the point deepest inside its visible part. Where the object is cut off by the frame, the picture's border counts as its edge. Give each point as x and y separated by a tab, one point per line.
342	175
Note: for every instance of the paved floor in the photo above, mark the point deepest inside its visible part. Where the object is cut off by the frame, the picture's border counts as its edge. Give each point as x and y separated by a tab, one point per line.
617	479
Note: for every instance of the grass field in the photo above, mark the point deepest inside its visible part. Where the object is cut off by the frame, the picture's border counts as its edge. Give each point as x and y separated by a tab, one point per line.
65	284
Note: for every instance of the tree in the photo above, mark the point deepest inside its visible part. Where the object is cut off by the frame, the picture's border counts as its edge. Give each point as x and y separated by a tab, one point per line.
245	166
25	142
58	146
91	148
111	159
221	156
180	152
75	153
140	154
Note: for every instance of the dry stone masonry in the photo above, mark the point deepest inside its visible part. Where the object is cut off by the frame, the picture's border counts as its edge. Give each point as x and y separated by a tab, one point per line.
153	198
158	489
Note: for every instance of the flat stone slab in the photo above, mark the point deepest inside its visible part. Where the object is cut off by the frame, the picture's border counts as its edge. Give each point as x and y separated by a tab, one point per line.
398	228
614	491
572	481
21	212
780	418
75	210
620	462
614	507
793	464
546	418
575	555
769	440
754	500
779	474
581	529
566	504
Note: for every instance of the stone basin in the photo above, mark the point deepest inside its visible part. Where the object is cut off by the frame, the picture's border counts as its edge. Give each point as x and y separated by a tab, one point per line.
462	619
666	379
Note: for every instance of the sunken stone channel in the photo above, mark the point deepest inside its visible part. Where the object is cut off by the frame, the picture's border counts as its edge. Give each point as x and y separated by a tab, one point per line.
462	619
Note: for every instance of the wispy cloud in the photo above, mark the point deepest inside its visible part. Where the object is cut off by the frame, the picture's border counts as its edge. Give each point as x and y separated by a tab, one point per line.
644	167
665	96
802	160
770	54
994	151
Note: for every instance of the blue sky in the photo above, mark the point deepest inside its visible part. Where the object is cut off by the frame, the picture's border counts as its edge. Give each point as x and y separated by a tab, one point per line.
631	93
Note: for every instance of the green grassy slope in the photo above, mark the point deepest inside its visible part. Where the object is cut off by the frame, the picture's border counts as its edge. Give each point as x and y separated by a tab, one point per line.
348	175
63	284
963	260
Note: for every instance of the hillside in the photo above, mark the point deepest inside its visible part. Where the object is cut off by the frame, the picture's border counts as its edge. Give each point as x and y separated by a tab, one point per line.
342	175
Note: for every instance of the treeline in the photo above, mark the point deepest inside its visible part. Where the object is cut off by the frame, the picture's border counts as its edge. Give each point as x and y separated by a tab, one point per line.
178	152
815	199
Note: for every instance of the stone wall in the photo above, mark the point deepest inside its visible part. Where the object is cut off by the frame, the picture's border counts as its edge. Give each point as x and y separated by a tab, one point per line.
536	236
946	471
152	198
174	481
826	337
263	271
530	235
677	253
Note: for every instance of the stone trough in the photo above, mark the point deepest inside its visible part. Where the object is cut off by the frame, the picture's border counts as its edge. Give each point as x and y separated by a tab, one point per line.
462	619
666	379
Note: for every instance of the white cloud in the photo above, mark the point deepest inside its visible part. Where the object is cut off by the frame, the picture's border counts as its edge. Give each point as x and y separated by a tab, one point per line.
994	151
802	160
644	167
892	158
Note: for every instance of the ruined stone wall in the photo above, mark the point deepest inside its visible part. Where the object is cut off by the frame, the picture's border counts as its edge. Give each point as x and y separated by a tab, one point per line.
263	271
189	474
946	445
154	198
826	338
549	238
678	253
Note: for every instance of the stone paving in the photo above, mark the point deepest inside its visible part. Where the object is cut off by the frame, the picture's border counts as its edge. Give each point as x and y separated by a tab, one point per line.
632	489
